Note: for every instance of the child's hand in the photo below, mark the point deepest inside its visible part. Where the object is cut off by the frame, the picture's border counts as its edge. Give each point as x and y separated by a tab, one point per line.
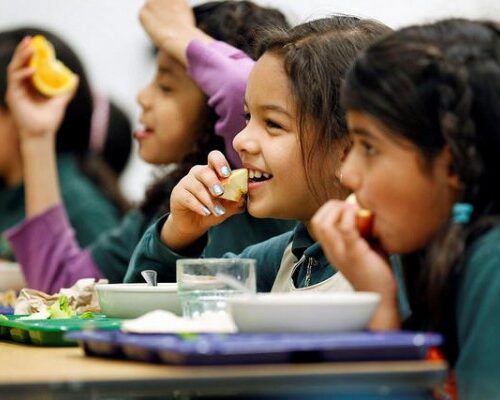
366	268
34	114
195	203
171	26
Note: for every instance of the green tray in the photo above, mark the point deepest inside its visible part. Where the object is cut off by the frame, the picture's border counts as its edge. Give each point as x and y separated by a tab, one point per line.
50	332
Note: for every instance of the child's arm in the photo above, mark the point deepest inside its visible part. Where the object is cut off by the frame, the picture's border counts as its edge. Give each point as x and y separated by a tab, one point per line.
334	226
37	119
195	203
171	26
220	70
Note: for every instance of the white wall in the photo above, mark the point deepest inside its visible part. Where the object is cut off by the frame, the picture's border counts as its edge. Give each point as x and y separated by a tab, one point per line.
107	34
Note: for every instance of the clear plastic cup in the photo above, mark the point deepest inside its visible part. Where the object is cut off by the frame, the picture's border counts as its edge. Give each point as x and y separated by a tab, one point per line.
201	291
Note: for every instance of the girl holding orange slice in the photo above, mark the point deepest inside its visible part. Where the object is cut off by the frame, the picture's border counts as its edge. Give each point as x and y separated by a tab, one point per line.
89	209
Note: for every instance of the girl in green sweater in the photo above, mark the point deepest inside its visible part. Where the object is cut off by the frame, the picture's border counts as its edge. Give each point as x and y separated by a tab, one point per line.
423	108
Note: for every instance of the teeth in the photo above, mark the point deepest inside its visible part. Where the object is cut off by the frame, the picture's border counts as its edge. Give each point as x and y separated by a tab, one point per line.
252	173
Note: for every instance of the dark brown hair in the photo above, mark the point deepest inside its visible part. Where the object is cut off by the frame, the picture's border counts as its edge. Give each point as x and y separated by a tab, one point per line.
239	24
438	86
316	56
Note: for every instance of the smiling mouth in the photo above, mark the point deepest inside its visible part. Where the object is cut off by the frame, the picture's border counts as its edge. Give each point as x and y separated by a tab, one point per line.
258	176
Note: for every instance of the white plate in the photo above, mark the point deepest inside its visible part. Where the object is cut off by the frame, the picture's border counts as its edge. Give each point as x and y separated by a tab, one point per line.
131	300
11	276
312	312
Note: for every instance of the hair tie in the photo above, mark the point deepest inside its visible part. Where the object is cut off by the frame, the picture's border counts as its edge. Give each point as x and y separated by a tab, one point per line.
99	122
461	213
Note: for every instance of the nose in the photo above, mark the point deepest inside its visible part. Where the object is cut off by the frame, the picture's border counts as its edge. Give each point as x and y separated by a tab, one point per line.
143	97
350	174
246	141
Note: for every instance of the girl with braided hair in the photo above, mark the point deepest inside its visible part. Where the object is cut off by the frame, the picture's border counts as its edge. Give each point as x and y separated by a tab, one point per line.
423	108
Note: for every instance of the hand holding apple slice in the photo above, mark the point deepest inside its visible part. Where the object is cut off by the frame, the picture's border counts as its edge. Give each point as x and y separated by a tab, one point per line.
364	218
235	185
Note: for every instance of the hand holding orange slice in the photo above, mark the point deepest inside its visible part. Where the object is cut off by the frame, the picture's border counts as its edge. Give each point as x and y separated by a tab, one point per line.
51	77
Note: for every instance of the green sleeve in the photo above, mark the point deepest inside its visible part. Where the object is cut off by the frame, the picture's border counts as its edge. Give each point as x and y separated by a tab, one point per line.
151	253
478	321
89	211
113	249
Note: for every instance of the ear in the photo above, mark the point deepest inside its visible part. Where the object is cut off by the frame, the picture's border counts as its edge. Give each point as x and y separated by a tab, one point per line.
452	176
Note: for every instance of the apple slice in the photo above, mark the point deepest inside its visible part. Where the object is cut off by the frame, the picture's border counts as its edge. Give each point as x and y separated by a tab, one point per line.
364	218
235	185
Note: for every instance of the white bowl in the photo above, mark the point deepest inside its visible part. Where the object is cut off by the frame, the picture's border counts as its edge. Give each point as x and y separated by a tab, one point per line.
311	312
131	300
11	276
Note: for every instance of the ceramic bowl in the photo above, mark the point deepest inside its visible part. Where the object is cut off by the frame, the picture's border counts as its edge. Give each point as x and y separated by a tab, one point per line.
131	300
312	312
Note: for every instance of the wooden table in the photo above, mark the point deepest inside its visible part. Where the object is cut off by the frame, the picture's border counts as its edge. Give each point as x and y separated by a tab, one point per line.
30	372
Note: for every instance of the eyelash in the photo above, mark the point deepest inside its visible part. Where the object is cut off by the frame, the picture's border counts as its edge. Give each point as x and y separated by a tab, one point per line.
269	123
368	149
165	89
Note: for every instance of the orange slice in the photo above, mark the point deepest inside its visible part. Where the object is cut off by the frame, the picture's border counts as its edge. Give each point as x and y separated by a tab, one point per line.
52	77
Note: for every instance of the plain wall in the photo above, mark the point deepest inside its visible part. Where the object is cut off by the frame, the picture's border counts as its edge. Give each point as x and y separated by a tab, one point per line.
117	54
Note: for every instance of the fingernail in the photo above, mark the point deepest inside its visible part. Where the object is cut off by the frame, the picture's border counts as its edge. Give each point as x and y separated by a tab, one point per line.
225	171
217	189
219	210
206	211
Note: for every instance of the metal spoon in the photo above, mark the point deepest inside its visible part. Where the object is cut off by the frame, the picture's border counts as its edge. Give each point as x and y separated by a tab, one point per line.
150	277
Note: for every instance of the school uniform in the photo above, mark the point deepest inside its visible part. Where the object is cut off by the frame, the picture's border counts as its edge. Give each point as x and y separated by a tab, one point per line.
289	262
478	319
88	209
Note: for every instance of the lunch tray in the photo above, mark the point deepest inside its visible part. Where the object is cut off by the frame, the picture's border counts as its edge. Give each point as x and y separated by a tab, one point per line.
50	332
6	310
252	348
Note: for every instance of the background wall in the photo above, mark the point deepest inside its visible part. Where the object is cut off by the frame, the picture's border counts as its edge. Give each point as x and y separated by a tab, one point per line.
108	36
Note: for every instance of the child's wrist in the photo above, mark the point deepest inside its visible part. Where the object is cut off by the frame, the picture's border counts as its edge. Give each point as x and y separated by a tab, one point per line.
175	237
37	145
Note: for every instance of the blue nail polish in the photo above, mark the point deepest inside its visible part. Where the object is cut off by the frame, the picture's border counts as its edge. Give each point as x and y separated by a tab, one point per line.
225	171
217	189
206	211
219	210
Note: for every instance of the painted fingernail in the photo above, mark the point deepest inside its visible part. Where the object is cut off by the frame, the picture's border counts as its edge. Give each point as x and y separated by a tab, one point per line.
225	171
219	210
206	211
217	189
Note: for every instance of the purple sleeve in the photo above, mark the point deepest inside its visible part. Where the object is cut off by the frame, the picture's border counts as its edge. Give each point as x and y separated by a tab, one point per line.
48	253
222	71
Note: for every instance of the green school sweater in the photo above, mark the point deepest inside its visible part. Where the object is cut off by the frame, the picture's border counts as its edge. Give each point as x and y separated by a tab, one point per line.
89	211
153	254
113	251
478	320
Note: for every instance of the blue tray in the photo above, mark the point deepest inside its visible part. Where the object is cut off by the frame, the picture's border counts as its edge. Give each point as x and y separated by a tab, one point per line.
252	348
6	310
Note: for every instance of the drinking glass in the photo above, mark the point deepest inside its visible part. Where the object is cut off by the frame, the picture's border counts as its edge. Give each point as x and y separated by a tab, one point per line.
201	291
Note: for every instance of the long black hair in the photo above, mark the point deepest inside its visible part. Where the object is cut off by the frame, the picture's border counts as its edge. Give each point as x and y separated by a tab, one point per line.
239	24
438	86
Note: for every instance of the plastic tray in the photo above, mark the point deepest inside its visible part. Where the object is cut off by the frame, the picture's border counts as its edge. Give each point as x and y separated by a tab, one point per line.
50	332
251	348
6	310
